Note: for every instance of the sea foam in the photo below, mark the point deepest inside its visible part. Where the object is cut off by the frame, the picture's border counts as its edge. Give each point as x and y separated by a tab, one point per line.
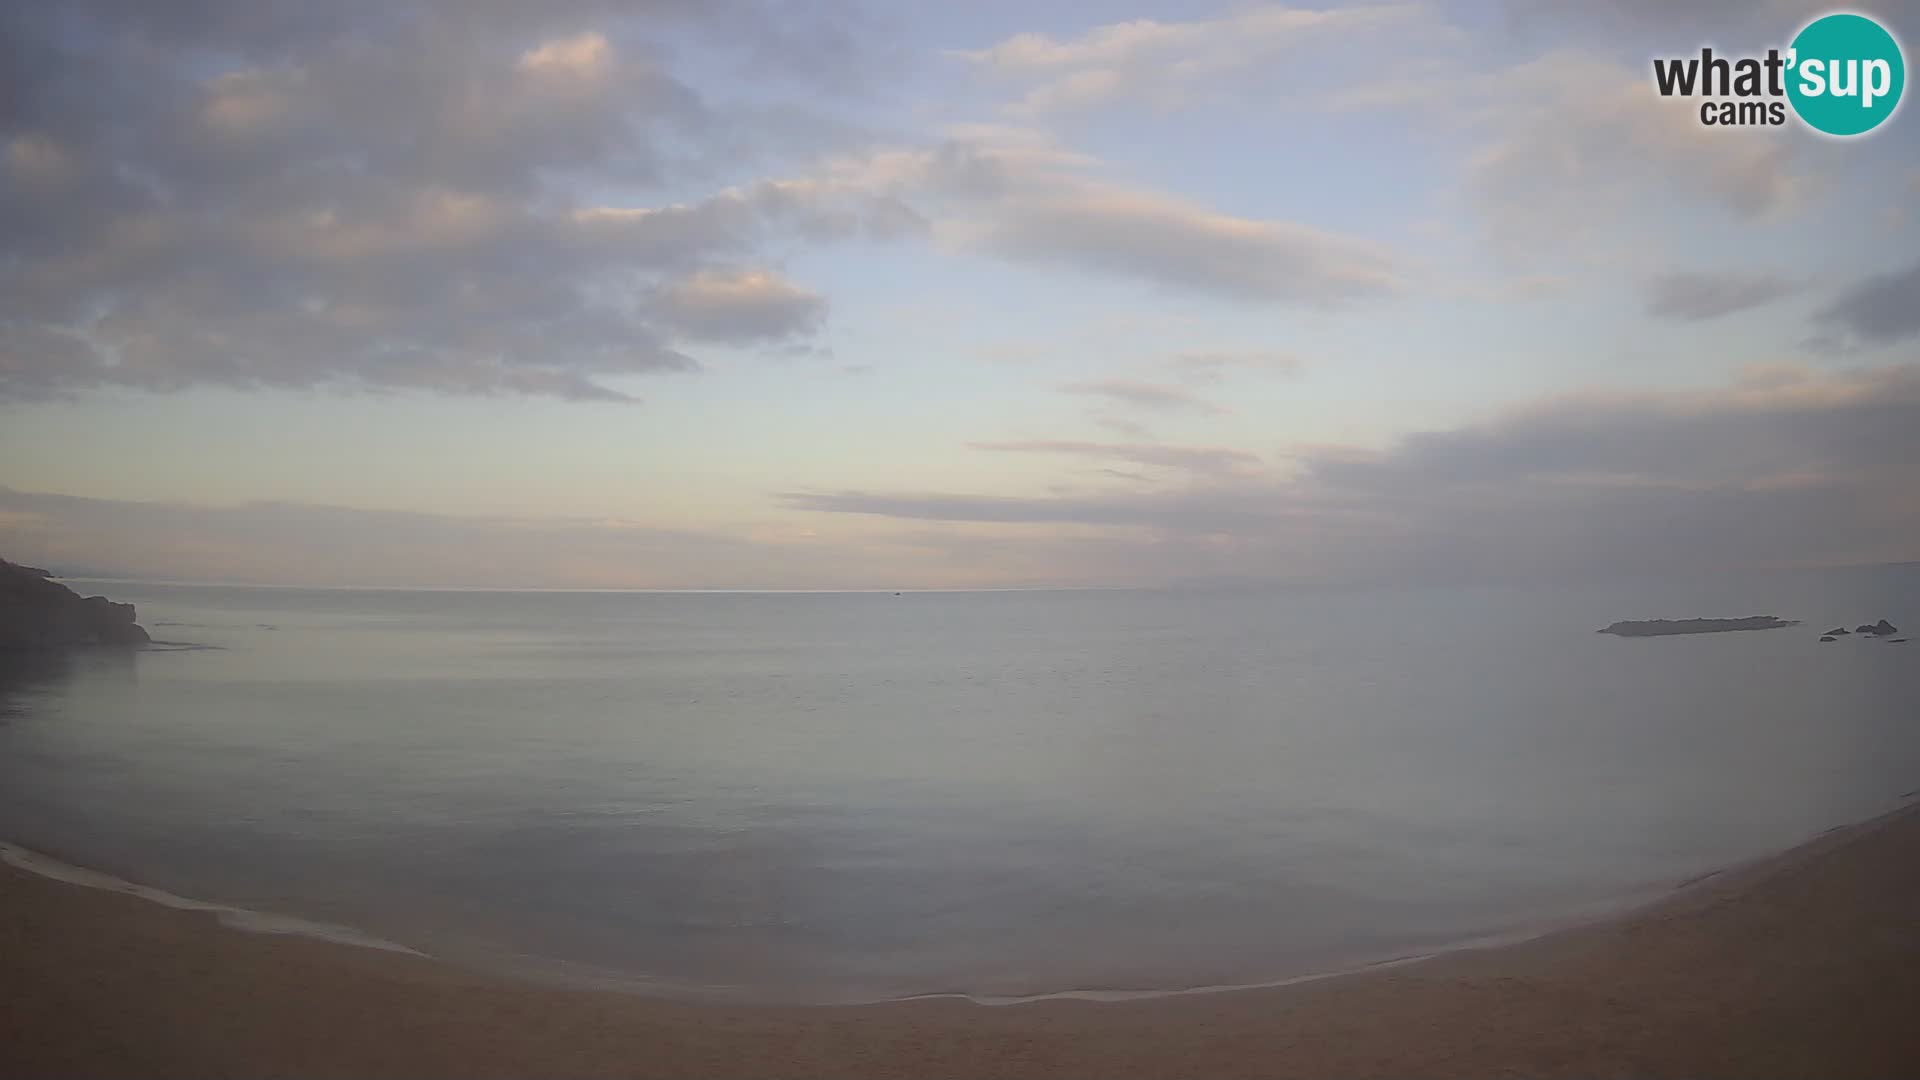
252	922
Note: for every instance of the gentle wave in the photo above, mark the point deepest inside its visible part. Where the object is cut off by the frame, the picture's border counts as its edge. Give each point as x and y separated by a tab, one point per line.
252	922
591	977
1492	941
577	975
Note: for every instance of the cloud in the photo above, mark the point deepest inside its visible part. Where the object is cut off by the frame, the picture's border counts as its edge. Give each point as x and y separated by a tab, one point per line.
377	195
1202	366
1154	397
1700	295
1773	421
1658	23
1782	466
1017	194
1210	460
1124	426
1570	144
1879	309
1168	63
1166	240
1578	141
580	61
1178	511
1129	398
37	163
417	195
272	542
738	307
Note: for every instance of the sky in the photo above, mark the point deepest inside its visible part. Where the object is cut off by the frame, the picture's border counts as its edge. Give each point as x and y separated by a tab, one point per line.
751	294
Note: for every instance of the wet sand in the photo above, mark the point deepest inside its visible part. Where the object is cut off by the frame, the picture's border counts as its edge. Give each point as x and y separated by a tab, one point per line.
1803	964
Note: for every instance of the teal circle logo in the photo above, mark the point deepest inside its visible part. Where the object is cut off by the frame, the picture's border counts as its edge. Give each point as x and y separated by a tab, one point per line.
1846	73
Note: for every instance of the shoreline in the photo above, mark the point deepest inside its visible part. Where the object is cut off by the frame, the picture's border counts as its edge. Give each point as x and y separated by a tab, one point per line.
559	974
242	920
1801	963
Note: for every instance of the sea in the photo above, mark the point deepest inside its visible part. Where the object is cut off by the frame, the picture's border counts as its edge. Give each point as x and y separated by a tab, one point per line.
838	797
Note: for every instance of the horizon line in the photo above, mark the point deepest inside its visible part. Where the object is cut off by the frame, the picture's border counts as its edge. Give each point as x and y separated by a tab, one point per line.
1226	581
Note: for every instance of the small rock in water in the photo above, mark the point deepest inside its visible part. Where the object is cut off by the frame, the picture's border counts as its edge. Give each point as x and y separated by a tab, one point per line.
1839	631
1829	637
1668	627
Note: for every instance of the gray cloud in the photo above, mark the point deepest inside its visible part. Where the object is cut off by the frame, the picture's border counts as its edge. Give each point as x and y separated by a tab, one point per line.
1124	426
386	195
1574	141
1201	366
1213	460
1876	310
1780	425
1016	194
1173	243
1172	63
1699	295
1782	466
1570	139
412	195
1179	512
739	307
1657	23
1138	393
279	542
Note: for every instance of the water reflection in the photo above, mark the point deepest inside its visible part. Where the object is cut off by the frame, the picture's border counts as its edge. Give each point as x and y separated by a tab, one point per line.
27	674
833	796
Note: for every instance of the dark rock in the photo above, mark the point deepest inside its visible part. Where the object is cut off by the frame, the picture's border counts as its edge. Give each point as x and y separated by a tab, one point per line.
1839	631
1829	637
36	613
1879	629
1897	641
1666	627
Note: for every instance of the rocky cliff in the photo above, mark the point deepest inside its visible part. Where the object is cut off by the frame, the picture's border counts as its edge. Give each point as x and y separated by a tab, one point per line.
36	613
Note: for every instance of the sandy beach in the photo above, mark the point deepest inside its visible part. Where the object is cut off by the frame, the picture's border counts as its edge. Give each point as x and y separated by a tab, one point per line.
1803	964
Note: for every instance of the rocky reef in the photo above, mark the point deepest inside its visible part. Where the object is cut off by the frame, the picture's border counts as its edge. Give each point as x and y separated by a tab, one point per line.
37	613
1666	627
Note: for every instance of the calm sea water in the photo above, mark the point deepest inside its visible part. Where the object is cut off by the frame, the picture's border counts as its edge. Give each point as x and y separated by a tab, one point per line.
847	796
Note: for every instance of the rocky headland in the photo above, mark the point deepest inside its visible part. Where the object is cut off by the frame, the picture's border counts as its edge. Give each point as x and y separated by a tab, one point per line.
39	613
